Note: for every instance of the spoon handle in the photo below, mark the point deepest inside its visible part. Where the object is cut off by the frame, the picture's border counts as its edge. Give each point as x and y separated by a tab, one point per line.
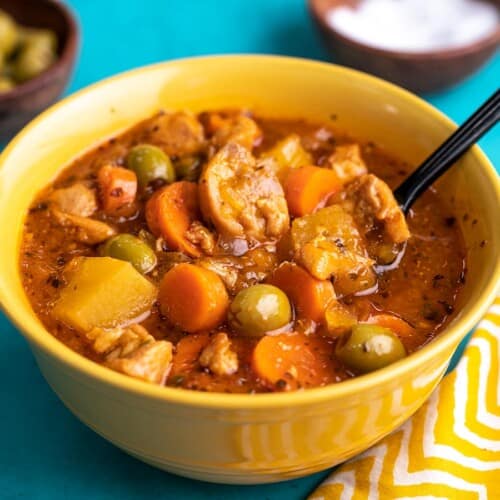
445	156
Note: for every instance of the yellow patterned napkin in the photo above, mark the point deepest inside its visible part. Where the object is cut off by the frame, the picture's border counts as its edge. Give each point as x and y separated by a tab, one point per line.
450	449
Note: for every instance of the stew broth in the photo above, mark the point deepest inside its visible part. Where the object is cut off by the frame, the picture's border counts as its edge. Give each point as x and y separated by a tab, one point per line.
421	286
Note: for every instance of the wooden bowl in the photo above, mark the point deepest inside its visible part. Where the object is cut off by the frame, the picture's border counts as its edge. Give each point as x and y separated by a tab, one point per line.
26	100
420	72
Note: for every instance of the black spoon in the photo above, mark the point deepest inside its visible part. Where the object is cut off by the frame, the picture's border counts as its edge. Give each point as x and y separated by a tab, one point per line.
445	156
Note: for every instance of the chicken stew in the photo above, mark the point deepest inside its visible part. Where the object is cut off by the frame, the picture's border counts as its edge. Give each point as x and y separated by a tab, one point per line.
232	253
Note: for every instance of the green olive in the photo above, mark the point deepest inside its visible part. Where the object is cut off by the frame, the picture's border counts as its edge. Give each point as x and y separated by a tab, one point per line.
33	59
132	249
150	163
188	168
6	84
369	347
40	37
6	70
259	309
146	237
8	33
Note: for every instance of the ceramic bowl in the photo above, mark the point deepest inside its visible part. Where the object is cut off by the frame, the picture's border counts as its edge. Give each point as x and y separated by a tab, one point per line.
419	72
21	104
245	438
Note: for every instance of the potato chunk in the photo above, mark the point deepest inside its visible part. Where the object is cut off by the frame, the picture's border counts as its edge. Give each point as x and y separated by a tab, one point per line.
328	244
286	154
339	319
103	292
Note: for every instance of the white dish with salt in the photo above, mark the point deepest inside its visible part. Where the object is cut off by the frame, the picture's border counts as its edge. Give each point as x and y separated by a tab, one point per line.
416	25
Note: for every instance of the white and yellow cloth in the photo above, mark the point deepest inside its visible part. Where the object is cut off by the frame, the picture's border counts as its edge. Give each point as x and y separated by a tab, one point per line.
450	449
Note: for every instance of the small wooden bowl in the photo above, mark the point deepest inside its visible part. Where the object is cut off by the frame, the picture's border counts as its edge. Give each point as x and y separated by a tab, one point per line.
26	100
420	72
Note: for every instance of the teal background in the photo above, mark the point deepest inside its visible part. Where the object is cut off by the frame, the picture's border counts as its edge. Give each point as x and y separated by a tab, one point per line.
45	453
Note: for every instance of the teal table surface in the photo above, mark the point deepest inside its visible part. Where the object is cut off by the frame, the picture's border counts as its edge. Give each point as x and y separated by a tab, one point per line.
45	452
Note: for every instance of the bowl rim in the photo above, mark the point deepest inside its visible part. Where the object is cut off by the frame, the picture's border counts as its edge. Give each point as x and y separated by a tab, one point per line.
68	55
487	42
451	336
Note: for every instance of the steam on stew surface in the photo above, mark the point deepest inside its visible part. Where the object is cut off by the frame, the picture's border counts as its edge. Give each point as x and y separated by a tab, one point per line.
232	253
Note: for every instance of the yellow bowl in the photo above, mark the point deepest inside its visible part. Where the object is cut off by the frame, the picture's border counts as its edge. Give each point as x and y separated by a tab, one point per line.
245	438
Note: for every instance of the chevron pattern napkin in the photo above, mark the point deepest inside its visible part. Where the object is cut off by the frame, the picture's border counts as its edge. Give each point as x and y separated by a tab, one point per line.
450	449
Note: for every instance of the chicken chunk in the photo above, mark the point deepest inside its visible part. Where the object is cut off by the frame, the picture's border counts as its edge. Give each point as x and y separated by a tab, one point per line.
346	161
178	134
133	351
85	230
226	267
328	244
240	272
77	199
371	202
242	199
239	129
218	356
119	341
200	236
72	206
150	362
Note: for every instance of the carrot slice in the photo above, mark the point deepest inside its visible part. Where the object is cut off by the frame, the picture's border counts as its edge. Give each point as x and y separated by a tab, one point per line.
117	187
309	295
187	351
290	361
399	326
170	212
193	298
308	188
